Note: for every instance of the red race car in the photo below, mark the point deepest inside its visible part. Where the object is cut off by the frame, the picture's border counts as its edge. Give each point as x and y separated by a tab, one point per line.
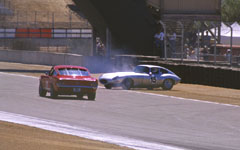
68	80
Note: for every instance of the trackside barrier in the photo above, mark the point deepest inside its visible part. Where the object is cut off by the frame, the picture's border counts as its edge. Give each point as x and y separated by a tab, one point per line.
7	33
205	75
43	58
45	33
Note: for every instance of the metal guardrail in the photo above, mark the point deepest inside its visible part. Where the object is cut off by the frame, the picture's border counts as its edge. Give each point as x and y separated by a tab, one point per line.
45	33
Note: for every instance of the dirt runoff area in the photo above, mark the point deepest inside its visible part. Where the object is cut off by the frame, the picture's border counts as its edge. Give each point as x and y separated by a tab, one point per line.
20	137
14	136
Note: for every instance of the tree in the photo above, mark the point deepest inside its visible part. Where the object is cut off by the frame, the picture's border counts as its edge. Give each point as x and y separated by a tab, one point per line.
230	10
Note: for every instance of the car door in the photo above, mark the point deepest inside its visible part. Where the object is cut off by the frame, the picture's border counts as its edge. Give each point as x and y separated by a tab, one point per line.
155	77
145	78
161	77
52	78
47	81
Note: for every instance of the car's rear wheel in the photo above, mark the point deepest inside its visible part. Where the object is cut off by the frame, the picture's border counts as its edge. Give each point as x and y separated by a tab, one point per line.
108	86
91	96
127	84
41	91
53	93
167	84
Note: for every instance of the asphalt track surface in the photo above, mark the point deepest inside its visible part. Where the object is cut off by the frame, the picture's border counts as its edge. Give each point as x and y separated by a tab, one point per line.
151	118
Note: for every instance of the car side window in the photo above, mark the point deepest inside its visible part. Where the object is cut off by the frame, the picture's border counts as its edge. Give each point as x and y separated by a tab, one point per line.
142	69
163	71
155	71
51	72
54	73
146	70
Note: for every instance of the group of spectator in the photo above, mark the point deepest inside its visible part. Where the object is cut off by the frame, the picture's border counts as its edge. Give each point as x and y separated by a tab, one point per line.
159	44
190	47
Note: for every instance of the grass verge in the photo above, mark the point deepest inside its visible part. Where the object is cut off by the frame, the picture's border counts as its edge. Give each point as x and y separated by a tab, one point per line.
20	137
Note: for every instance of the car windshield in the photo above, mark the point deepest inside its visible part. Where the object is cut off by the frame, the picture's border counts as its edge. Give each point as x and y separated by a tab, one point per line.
141	69
73	72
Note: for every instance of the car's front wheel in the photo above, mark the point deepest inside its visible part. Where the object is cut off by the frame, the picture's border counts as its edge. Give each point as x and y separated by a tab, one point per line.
127	84
41	91
91	96
167	84
53	93
108	86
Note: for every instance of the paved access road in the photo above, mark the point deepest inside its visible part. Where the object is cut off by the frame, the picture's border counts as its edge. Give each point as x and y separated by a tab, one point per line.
151	118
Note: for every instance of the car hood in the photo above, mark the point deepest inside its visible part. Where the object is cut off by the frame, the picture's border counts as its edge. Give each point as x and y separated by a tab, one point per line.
121	74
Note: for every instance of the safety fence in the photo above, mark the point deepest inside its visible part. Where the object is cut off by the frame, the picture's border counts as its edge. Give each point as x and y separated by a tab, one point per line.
5	4
5	7
200	42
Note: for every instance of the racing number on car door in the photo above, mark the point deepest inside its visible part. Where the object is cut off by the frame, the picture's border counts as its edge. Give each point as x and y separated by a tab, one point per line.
153	79
155	75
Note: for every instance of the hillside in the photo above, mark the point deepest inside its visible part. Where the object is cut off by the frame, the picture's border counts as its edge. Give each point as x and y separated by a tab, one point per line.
43	12
41	5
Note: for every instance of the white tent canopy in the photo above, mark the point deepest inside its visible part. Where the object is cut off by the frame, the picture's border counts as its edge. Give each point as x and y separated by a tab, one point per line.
226	33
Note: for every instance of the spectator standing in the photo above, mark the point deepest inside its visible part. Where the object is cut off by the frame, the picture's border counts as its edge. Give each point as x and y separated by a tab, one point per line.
100	49
205	52
186	51
159	42
228	56
207	39
193	38
172	41
192	53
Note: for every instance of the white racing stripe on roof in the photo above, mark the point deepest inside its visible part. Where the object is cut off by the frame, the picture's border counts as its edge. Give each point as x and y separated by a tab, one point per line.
83	132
